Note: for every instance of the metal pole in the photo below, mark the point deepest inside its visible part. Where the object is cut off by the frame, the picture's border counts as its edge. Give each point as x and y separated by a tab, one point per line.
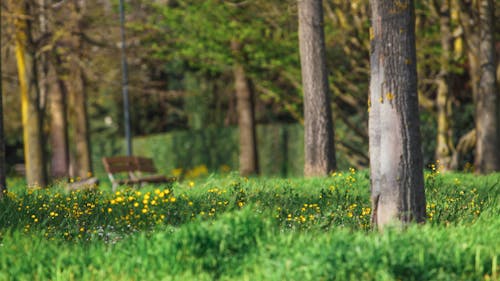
126	113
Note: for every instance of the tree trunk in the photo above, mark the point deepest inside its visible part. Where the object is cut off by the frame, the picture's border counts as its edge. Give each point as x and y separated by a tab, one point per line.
397	182
318	122
59	125
487	124
3	172
83	163
31	115
444	139
249	163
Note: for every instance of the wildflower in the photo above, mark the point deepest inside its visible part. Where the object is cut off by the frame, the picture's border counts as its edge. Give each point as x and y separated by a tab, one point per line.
172	199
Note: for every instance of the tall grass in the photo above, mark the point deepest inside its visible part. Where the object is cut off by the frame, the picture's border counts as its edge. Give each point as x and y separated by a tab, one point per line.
232	228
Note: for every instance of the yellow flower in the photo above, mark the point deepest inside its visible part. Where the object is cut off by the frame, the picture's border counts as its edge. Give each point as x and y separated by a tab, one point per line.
172	199
144	210
110	210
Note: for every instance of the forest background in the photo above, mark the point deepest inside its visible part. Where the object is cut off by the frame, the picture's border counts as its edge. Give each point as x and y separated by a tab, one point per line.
181	58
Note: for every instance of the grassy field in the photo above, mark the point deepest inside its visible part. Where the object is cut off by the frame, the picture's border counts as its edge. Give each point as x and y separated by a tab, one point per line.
224	227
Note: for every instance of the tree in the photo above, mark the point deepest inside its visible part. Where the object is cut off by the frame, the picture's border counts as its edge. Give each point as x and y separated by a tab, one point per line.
249	163
444	138
487	99
83	161
318	123
477	21
397	182
78	94
59	121
3	172
30	100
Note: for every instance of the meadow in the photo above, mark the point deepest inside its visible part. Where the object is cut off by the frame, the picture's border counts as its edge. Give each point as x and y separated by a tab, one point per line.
225	227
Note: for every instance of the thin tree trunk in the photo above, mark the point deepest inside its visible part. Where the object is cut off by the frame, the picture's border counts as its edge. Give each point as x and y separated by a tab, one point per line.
83	163
397	182
3	172
249	162
59	125
487	124
318	122
82	158
444	139
31	115
43	63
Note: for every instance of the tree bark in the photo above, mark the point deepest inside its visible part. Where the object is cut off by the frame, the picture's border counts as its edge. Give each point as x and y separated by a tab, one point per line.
59	124
31	115
397	182
487	100
249	163
444	139
83	163
319	148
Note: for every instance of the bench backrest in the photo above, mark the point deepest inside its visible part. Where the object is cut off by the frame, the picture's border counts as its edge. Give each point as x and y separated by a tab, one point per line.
119	164
145	165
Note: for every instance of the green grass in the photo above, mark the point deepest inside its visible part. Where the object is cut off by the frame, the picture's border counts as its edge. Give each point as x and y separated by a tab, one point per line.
232	228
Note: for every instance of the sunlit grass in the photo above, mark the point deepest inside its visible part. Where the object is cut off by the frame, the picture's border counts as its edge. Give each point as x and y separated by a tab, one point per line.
236	228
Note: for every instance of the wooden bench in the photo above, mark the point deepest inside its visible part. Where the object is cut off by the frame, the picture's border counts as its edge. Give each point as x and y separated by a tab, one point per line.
132	170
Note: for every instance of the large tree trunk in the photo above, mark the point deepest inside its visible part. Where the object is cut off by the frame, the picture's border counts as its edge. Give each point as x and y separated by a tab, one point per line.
3	172
249	163
31	115
83	163
318	122
487	124
397	182
444	139
59	124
